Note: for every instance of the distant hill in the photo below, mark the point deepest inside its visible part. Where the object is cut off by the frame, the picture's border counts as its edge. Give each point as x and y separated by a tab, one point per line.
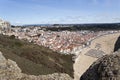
79	27
34	59
76	27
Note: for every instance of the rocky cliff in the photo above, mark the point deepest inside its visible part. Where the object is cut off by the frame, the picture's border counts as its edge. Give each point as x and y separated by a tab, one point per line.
117	44
105	68
4	25
10	71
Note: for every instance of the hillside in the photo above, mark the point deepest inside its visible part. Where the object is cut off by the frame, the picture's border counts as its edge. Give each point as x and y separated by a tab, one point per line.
9	70
34	59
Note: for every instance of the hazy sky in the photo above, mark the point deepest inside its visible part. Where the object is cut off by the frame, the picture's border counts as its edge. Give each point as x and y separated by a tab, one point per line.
60	11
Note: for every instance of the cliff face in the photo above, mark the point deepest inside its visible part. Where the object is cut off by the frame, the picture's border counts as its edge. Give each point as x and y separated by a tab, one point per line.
4	25
117	44
106	68
10	71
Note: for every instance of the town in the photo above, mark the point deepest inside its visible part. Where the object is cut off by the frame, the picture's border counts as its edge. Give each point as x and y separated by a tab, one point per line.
65	42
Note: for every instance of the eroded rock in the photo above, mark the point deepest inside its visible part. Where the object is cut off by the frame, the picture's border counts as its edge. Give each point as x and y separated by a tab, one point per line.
106	68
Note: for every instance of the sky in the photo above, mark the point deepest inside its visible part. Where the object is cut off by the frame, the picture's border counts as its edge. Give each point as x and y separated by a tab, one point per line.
20	12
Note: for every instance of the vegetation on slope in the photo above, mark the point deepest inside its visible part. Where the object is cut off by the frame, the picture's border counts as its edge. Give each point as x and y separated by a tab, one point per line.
34	59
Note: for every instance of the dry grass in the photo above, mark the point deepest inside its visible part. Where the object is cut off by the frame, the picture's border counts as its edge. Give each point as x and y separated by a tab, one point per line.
34	59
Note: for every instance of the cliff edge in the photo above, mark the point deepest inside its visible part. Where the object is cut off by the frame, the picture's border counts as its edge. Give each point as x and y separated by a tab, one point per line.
105	68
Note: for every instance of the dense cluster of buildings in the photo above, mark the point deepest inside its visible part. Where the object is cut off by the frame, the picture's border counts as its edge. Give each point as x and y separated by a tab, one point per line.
68	42
64	41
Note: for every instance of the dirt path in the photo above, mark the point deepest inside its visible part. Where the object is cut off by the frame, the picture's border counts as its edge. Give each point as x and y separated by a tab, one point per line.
104	43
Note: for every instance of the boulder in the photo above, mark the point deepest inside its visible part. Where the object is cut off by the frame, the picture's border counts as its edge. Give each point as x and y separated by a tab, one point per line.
105	68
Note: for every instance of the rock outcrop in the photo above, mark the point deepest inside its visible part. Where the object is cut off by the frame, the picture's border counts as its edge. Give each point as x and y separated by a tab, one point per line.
105	68
117	44
4	25
10	71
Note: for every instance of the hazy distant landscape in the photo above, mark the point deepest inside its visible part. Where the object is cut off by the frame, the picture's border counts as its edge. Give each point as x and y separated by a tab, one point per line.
76	27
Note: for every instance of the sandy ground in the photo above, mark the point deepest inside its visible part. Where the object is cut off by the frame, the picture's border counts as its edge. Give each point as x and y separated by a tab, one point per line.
83	62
